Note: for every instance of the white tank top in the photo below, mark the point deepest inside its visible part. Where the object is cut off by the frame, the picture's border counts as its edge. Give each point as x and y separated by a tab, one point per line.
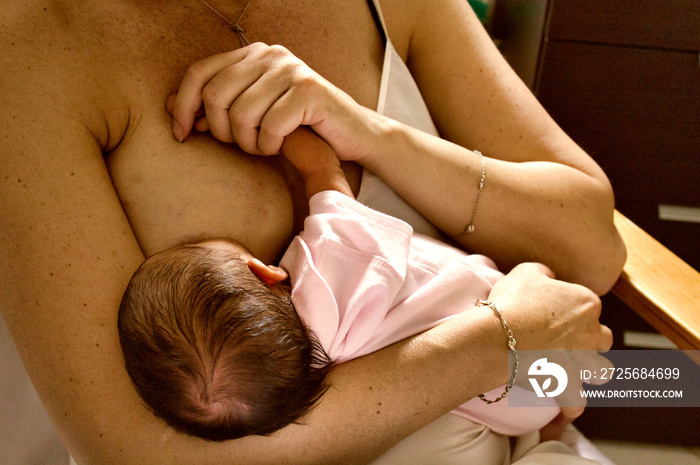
399	99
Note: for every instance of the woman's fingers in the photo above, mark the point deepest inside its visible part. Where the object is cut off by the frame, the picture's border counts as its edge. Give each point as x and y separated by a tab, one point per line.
201	124
237	98
258	95
569	414
261	115
551	314
284	96
236	90
544	269
189	98
286	114
553	431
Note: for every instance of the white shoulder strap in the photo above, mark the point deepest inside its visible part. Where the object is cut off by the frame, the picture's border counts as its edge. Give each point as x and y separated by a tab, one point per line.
380	17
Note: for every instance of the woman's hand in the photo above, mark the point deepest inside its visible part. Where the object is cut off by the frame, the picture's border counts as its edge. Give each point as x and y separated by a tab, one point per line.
257	95
548	314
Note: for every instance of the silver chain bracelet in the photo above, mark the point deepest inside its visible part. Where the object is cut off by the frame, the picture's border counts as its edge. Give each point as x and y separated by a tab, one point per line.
511	346
471	226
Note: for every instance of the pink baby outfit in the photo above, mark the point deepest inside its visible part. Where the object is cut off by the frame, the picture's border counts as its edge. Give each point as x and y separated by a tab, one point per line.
361	280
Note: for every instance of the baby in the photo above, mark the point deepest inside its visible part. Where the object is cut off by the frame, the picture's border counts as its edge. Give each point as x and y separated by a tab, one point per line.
220	346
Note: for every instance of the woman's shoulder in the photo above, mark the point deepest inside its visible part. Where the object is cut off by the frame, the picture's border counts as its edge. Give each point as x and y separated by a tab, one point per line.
408	20
44	76
399	17
35	28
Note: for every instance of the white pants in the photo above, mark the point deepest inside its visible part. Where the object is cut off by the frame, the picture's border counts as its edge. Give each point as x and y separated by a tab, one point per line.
453	440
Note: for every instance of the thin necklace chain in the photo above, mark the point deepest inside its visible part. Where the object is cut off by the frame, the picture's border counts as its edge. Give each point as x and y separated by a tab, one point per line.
235	26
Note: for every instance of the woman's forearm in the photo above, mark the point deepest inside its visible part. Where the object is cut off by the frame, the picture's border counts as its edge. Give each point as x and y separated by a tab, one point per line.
378	400
528	211
374	402
544	198
69	258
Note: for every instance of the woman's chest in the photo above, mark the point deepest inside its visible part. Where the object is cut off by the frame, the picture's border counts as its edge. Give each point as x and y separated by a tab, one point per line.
177	192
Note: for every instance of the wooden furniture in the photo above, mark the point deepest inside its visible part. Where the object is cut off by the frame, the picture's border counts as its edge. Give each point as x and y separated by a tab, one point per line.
622	78
659	286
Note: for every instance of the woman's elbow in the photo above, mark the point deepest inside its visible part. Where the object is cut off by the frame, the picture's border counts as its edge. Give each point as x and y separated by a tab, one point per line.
607	264
605	255
596	251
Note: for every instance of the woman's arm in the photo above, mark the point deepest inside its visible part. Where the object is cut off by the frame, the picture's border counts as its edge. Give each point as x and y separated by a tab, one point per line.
67	253
544	198
539	211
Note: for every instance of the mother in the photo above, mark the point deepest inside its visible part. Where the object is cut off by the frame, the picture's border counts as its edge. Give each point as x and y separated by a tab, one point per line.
83	90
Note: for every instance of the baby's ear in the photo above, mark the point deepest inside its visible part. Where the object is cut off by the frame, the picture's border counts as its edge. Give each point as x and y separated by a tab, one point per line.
270	274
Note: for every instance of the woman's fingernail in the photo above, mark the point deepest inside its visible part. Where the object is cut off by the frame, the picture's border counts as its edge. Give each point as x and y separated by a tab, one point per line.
178	131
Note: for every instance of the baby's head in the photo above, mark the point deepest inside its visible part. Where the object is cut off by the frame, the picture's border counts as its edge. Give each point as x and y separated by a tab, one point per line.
216	350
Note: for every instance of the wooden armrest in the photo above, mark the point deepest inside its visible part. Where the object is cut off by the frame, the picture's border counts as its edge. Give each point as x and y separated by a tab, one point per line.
659	286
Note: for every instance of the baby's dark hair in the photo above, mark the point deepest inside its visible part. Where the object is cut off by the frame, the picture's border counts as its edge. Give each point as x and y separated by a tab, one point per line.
213	350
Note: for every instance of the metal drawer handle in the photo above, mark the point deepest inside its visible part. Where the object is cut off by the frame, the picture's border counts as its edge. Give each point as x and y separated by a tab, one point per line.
679	213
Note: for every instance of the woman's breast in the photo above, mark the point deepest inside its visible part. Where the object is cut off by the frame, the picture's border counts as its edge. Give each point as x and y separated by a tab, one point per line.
173	193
